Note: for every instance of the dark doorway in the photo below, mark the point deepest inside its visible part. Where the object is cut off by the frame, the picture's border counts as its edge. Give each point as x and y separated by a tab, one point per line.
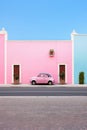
62	74
16	74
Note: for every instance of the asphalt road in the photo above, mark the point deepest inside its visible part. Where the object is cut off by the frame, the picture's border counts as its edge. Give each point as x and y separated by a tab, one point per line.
43	113
43	91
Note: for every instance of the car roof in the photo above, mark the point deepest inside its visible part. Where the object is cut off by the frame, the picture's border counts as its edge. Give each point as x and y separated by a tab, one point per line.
46	74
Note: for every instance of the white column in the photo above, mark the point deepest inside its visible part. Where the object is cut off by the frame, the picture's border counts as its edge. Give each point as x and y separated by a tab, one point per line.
5	55
72	38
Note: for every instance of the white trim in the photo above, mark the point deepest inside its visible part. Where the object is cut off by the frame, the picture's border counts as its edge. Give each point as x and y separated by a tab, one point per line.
74	33
19	72
5	55
72	37
65	72
3	31
80	34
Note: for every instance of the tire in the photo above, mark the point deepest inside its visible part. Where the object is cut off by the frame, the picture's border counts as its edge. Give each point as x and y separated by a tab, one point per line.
33	82
50	83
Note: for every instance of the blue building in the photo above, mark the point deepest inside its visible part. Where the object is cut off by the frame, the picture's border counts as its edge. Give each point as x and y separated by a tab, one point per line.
79	56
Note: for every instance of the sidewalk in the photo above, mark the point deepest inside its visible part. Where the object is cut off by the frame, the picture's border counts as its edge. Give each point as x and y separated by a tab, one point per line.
29	85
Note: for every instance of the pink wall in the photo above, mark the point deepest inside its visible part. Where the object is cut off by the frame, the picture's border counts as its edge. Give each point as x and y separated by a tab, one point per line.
2	58
34	58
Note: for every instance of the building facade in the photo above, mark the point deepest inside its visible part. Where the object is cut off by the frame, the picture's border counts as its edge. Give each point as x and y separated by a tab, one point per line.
80	53
20	60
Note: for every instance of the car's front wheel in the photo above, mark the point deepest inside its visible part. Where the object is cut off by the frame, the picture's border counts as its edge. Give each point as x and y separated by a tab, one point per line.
33	82
50	83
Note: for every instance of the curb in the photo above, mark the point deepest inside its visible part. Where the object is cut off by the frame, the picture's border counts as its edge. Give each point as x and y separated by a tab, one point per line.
28	85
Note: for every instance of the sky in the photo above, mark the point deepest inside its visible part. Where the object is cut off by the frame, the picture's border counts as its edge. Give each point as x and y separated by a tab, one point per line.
43	19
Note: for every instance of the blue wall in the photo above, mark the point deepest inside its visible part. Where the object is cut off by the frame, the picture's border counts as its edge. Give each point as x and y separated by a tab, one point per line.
80	56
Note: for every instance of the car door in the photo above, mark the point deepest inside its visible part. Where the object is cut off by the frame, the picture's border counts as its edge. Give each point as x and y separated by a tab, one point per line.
40	79
45	78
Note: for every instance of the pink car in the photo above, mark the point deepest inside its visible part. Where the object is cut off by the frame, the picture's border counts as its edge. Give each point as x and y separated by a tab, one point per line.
42	78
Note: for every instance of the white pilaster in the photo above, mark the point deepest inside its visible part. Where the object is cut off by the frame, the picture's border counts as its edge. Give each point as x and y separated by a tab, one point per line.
3	31
72	38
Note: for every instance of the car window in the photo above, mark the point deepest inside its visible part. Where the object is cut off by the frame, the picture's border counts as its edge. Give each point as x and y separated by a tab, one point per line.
40	75
49	75
46	76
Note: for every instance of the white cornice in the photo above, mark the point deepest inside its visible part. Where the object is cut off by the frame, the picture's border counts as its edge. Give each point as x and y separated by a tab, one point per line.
3	31
74	33
80	34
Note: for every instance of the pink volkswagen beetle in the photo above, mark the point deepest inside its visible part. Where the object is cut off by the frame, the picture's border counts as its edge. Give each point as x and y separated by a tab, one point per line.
42	78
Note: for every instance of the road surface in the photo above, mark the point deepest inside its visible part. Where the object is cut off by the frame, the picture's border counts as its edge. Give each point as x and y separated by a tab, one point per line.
43	91
43	113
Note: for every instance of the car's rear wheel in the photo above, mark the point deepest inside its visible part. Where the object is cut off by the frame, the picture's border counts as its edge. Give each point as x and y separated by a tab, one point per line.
50	83
33	82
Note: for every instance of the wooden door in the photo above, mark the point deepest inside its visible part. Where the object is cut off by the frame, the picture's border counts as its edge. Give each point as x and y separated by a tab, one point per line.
62	74
16	74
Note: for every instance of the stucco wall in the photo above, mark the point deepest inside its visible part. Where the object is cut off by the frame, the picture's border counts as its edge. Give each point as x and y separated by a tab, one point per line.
80	57
33	56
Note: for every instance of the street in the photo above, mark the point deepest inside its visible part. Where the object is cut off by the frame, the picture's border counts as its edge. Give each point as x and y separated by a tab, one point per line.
43	90
43	113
